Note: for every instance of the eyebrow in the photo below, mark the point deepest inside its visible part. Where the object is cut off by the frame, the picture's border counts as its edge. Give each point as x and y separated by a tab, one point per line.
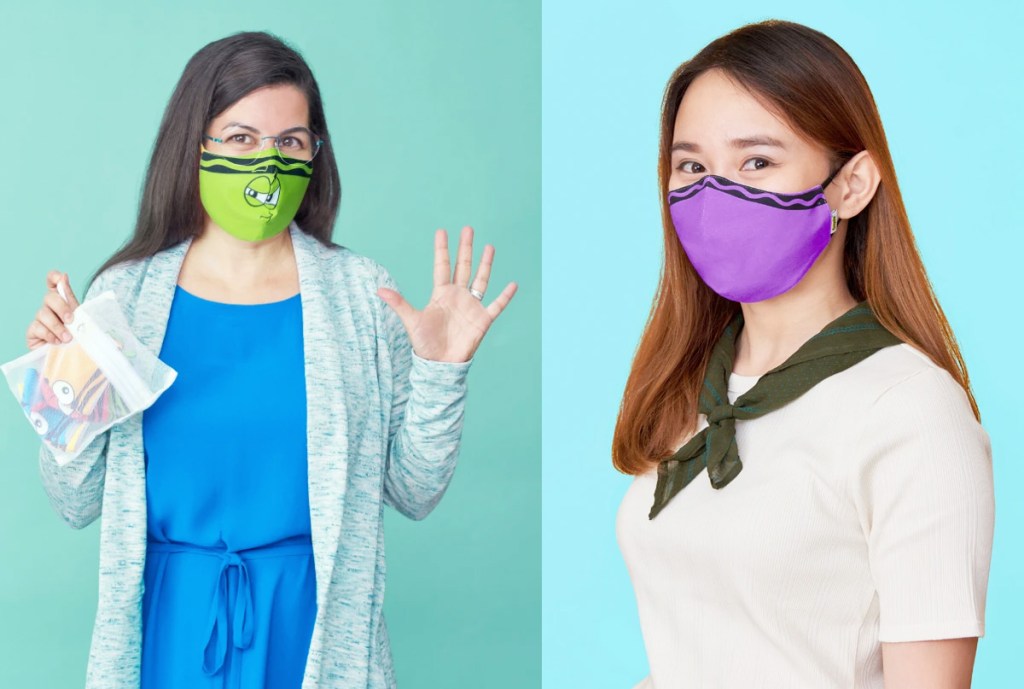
685	146
759	140
741	142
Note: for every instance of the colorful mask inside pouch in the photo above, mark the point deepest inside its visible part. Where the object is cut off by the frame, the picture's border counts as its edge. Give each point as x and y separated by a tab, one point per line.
72	392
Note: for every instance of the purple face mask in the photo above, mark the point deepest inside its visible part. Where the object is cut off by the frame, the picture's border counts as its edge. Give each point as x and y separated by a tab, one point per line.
749	244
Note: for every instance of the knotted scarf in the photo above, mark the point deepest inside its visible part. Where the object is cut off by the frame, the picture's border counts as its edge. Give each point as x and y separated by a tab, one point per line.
851	338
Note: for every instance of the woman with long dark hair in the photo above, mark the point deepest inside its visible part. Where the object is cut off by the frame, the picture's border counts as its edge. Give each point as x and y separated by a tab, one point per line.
813	502
242	543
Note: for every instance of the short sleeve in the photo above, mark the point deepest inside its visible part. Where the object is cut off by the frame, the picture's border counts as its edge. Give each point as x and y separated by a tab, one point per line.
924	495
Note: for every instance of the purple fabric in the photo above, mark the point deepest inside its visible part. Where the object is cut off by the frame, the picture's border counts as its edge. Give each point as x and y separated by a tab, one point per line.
748	244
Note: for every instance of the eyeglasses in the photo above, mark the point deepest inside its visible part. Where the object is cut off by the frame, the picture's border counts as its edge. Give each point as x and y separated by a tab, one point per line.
298	143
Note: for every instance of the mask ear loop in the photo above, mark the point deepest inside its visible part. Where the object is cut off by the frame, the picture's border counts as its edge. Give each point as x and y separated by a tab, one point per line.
835	213
831	177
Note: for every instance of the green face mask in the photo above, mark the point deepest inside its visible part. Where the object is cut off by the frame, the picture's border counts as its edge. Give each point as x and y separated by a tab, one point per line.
254	196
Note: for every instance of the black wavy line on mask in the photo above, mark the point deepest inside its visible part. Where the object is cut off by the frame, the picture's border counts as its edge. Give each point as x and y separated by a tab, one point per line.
269	171
282	160
724	184
675	197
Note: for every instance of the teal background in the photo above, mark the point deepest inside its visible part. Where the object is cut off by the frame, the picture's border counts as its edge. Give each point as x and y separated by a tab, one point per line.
434	112
946	79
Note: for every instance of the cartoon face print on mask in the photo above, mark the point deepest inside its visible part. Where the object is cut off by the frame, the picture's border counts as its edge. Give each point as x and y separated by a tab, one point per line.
264	191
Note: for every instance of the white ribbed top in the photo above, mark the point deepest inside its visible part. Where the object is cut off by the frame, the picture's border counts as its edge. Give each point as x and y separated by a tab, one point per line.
863	514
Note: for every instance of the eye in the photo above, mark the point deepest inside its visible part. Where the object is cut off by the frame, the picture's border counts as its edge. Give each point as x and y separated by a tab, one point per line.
39	423
756	164
691	167
63	391
298	142
238	138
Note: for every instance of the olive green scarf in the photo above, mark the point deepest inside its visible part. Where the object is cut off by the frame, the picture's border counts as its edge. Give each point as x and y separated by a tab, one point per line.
851	338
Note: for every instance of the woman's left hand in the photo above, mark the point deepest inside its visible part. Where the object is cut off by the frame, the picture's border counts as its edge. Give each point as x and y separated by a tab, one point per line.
451	326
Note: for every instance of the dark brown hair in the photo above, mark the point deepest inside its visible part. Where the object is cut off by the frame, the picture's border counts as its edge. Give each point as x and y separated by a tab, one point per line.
218	76
810	81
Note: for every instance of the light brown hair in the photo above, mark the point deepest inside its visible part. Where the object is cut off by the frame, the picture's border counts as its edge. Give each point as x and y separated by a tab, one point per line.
809	80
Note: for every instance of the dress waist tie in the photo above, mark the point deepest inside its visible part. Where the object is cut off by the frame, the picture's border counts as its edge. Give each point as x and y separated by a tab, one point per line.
242	619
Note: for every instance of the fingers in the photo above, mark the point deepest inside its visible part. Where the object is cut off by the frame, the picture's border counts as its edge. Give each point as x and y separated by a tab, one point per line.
55	277
495	308
38	334
51	322
442	266
72	299
61	309
52	278
464	259
483	271
406	313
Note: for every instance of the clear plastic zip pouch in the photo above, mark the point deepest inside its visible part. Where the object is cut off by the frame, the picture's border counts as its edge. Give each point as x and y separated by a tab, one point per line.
73	391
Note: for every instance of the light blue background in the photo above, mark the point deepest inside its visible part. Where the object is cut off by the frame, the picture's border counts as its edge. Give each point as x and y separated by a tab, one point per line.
947	83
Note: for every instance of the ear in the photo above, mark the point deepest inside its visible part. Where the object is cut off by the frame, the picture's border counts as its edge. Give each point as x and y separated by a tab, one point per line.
856	185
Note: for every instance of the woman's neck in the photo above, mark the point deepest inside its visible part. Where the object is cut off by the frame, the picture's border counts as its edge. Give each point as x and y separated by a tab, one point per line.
775	328
221	267
221	256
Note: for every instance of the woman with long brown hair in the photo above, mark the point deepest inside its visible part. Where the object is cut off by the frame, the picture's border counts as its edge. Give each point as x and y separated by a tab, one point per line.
813	502
242	539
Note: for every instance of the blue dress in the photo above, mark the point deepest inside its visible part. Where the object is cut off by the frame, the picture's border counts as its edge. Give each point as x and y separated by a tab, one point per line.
230	587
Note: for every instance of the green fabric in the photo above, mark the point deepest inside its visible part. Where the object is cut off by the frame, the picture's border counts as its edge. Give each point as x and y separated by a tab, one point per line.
851	338
254	196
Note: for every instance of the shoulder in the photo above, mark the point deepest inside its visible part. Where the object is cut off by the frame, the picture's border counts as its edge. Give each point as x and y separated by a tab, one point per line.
904	375
901	374
919	452
347	266
121	274
899	405
920	413
123	279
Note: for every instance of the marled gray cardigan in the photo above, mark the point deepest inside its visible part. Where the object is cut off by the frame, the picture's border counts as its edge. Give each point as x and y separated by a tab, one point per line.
383	427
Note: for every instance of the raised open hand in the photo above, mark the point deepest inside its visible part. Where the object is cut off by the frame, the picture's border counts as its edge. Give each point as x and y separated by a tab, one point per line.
455	320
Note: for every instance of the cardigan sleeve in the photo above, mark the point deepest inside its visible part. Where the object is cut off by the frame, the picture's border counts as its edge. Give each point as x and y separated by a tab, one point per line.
425	429
75	490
